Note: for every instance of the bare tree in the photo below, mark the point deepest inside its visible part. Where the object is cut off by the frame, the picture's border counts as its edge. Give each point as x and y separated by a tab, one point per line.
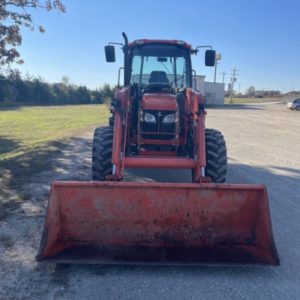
14	14
250	91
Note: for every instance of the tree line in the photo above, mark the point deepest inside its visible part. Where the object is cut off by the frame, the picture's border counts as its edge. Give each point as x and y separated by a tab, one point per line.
28	90
252	92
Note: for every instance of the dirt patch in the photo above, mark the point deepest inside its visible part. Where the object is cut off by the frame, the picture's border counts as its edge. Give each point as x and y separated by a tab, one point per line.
6	241
23	177
25	184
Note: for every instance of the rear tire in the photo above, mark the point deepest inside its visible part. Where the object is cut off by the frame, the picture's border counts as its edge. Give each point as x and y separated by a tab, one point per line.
102	152
216	156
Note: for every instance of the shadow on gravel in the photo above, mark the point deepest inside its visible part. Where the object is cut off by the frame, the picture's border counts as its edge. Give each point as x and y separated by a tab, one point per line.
296	172
159	175
153	271
8	145
18	172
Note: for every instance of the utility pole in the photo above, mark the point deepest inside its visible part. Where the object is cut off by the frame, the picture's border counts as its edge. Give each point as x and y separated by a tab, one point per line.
218	57
223	73
233	80
215	76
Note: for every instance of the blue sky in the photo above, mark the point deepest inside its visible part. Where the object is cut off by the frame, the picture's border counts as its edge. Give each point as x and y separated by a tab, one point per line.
259	38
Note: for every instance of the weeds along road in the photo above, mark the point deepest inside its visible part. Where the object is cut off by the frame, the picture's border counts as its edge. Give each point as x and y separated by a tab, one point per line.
263	144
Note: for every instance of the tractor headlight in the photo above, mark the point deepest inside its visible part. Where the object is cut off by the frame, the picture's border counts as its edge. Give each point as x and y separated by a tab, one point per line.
170	118
149	118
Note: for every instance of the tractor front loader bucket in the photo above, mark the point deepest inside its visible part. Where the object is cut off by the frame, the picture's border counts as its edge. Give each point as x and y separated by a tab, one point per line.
157	223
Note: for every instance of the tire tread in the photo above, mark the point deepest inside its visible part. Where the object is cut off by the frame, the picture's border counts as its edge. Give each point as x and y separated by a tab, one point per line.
216	156
102	152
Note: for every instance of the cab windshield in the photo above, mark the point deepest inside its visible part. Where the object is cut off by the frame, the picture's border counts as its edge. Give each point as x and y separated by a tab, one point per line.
159	64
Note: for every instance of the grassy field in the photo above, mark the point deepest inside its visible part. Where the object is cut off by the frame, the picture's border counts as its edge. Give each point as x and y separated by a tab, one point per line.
26	128
250	100
31	137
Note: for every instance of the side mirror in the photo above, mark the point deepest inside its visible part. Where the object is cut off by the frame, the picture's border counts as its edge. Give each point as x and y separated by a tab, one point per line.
210	58
110	53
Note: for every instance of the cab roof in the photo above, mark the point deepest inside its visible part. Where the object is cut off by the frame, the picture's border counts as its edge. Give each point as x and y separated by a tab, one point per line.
169	42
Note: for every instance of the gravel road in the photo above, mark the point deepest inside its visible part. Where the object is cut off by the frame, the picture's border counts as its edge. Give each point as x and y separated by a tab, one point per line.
263	144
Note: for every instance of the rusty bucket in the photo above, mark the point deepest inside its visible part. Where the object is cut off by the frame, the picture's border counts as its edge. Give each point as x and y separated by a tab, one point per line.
157	223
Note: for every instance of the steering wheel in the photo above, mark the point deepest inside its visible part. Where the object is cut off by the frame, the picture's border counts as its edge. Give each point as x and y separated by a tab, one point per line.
156	87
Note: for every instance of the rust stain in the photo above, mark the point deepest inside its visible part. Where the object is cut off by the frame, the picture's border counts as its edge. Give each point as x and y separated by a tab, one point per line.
162	223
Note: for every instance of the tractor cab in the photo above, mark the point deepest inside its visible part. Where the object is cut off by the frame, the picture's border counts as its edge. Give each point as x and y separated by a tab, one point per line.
157	66
158	74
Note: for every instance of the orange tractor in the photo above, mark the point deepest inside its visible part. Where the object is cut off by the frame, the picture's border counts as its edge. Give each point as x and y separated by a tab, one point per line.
158	121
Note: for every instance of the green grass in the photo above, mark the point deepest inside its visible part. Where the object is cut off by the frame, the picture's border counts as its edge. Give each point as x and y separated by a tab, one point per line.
31	137
249	100
26	128
237	100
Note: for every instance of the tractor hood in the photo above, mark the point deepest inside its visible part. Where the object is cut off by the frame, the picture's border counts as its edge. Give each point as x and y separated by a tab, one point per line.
159	101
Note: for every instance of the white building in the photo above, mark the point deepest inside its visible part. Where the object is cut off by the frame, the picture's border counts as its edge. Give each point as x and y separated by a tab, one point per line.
213	92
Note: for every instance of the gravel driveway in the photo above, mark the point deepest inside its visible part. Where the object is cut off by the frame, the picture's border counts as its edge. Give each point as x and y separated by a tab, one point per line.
263	144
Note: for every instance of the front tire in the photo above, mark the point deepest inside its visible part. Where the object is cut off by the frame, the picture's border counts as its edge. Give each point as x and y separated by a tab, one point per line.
111	121
102	152
216	156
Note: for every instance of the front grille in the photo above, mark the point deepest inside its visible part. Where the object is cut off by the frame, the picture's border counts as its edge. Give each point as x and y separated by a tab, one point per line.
158	130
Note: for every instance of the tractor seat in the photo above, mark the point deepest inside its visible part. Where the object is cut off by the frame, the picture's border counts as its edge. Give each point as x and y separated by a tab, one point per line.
158	77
